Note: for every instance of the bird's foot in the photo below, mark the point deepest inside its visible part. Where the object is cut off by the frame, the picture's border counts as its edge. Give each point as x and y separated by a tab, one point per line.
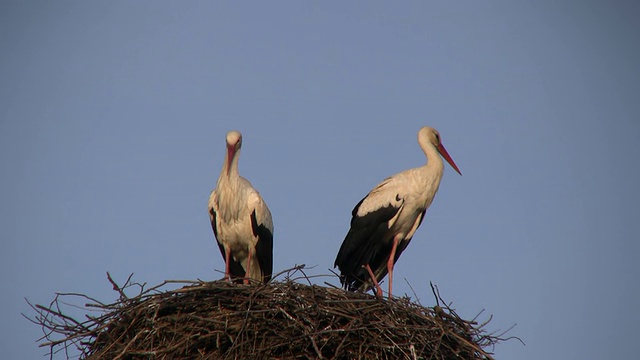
375	281
378	292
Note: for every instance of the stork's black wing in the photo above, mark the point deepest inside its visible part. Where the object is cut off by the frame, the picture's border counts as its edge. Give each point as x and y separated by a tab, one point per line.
365	243
264	247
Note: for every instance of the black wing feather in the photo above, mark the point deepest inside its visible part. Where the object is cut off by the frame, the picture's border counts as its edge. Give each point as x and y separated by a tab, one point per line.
214	223
264	247
365	243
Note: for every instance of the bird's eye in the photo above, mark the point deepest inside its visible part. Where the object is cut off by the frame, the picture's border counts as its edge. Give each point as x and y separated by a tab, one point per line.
438	137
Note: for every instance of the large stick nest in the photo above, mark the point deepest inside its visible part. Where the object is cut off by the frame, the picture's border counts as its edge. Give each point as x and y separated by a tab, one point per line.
280	319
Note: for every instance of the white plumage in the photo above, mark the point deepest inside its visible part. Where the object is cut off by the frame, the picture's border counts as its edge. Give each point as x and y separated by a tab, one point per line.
384	222
241	220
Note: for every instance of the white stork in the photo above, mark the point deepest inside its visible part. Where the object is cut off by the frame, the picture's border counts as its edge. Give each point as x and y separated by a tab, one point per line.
241	221
384	222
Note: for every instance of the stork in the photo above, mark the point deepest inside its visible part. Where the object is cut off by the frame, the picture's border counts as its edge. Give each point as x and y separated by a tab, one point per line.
241	221
385	220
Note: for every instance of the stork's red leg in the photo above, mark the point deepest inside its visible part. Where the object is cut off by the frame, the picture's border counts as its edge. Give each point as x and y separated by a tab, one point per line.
375	281
391	261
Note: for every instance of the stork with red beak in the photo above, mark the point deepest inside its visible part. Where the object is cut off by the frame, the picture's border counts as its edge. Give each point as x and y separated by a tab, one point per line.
241	221
384	222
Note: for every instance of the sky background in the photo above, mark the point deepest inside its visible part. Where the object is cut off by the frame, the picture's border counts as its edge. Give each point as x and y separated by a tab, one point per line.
113	116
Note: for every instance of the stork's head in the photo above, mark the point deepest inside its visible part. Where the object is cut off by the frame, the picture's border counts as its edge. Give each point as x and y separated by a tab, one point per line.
234	142
428	136
234	139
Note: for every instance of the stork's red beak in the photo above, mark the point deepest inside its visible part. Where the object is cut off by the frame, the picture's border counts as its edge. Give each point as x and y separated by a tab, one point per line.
231	150
446	156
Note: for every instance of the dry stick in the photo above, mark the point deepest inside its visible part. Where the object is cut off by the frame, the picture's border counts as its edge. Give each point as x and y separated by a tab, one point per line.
417	299
315	347
335	354
124	351
59	313
117	288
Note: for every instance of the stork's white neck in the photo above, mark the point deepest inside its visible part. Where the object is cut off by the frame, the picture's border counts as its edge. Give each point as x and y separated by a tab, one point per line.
431	172
229	178
230	190
434	161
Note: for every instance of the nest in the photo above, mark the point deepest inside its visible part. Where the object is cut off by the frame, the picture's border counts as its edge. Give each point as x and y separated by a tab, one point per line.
278	320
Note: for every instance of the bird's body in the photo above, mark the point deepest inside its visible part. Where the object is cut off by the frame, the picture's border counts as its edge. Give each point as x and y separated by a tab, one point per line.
241	221
384	222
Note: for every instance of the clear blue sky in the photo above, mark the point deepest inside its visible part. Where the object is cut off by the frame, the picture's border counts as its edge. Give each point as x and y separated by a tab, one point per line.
112	123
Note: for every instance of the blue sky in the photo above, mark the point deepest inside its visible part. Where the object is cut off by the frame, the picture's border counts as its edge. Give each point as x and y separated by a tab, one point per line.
112	123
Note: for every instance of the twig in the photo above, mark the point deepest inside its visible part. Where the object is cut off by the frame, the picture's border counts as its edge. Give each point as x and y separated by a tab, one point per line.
117	288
